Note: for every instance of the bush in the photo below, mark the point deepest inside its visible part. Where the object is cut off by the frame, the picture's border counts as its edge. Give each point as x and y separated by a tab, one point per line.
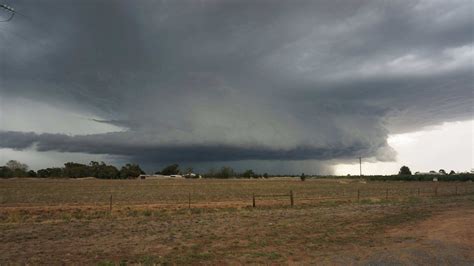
303	177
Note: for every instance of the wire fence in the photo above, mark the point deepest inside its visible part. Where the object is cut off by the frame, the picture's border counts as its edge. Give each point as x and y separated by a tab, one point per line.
368	194
214	194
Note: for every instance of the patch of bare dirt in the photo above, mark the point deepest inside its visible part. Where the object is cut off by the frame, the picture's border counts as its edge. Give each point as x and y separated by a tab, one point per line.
446	238
455	226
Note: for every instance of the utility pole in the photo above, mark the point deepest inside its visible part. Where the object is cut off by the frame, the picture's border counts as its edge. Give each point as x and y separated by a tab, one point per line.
360	166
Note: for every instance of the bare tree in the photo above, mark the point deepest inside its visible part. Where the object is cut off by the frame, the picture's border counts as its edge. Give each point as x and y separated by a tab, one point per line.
16	165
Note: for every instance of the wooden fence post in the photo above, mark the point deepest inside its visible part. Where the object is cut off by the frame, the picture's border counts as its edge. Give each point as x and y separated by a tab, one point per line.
358	195
253	200
110	206
291	198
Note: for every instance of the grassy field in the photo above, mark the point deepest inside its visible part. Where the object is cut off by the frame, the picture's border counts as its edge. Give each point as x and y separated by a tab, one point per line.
46	221
53	192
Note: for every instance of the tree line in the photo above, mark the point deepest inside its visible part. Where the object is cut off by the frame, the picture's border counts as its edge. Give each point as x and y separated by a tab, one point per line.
103	171
72	170
223	172
405	170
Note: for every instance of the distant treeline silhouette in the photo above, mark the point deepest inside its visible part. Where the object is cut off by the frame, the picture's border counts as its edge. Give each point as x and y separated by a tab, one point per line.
103	171
223	172
418	177
72	170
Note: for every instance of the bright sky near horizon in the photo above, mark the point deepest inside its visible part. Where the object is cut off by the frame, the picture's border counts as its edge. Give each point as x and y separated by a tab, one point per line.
449	146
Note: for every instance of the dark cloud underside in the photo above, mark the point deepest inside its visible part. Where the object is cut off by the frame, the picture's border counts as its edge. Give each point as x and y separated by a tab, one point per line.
206	80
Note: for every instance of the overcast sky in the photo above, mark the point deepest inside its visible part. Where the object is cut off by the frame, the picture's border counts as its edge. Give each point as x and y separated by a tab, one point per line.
277	86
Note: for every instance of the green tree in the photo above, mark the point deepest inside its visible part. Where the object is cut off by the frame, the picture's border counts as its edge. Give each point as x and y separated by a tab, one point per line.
76	170
95	168
452	172
110	172
5	172
170	170
404	170
31	173
442	172
50	172
130	170
104	171
42	173
248	174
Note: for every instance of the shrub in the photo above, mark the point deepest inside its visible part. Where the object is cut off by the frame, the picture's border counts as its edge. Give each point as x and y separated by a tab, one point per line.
303	177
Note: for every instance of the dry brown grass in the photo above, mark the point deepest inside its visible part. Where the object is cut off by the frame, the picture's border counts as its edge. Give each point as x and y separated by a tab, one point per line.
67	221
54	192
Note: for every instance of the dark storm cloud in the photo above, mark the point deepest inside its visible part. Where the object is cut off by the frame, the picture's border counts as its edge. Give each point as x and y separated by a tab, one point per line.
240	80
17	140
109	144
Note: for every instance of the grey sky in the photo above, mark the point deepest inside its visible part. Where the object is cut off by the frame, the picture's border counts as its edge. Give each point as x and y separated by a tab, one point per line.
225	82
